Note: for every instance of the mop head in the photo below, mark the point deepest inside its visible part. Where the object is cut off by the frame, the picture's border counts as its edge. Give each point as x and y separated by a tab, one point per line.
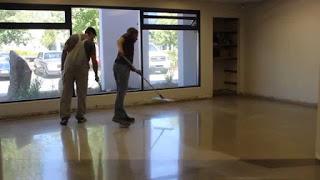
162	99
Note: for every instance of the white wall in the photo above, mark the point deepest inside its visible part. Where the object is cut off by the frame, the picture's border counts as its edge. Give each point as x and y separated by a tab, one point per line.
317	148
111	32
208	11
187	53
282	50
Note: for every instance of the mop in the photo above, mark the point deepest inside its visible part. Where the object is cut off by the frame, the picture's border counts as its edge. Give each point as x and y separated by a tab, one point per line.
100	86
160	96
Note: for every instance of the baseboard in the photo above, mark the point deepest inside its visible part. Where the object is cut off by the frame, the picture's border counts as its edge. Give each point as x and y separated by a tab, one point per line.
96	107
275	99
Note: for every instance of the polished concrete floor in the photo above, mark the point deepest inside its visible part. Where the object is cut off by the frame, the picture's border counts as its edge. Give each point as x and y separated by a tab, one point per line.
225	138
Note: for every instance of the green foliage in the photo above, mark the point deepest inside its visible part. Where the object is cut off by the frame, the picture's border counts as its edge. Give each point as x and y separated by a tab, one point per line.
25	52
169	77
14	36
32	92
24	36
83	18
48	39
167	38
26	16
173	56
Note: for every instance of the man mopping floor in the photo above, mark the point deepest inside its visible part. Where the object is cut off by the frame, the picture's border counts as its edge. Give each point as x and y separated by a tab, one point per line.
77	52
121	70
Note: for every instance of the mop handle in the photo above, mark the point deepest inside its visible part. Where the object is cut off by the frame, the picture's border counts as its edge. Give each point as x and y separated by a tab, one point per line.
127	60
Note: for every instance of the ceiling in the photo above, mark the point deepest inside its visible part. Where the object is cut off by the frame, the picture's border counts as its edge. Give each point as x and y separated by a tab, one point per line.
233	1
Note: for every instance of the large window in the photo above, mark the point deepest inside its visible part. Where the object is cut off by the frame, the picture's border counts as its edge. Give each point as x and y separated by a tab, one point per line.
170	51
32	38
107	23
31	42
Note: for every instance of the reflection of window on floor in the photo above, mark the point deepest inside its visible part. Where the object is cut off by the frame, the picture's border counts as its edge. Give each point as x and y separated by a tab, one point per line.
165	132
14	148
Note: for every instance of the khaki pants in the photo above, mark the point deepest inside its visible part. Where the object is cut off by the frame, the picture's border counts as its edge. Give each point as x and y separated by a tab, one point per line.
80	77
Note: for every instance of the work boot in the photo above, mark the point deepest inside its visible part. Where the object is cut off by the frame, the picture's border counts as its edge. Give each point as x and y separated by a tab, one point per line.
64	121
123	122
130	119
81	119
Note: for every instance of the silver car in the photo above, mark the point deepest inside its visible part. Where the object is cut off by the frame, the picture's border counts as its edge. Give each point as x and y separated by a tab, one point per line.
48	63
158	60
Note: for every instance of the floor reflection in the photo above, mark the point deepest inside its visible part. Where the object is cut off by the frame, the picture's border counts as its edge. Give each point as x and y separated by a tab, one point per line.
122	168
77	153
224	138
165	145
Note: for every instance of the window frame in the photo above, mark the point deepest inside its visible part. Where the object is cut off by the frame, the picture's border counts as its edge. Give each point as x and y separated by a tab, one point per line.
170	27
18	25
195	18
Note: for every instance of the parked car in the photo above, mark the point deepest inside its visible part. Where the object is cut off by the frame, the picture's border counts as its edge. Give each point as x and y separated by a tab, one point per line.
48	63
158	60
4	65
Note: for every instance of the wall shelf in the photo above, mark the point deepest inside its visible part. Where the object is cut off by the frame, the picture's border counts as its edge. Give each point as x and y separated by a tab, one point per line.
225	46
227	32
225	55
230	71
230	82
225	58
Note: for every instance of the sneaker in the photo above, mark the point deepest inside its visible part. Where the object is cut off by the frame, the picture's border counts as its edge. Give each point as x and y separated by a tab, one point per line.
81	120
64	121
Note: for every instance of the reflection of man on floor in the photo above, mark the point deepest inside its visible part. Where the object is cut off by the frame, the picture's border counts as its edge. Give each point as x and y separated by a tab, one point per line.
77	154
78	51
121	168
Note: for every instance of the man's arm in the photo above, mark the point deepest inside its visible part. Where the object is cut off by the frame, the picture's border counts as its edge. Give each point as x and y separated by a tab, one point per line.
64	54
63	58
94	61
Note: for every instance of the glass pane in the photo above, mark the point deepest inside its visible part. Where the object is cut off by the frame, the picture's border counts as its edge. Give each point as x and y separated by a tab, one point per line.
30	62
85	17
170	14
170	58
162	21
32	16
81	19
114	23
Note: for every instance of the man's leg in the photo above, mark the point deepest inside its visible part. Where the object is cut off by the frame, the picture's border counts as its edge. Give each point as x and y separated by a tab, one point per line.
82	87
65	101
121	73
